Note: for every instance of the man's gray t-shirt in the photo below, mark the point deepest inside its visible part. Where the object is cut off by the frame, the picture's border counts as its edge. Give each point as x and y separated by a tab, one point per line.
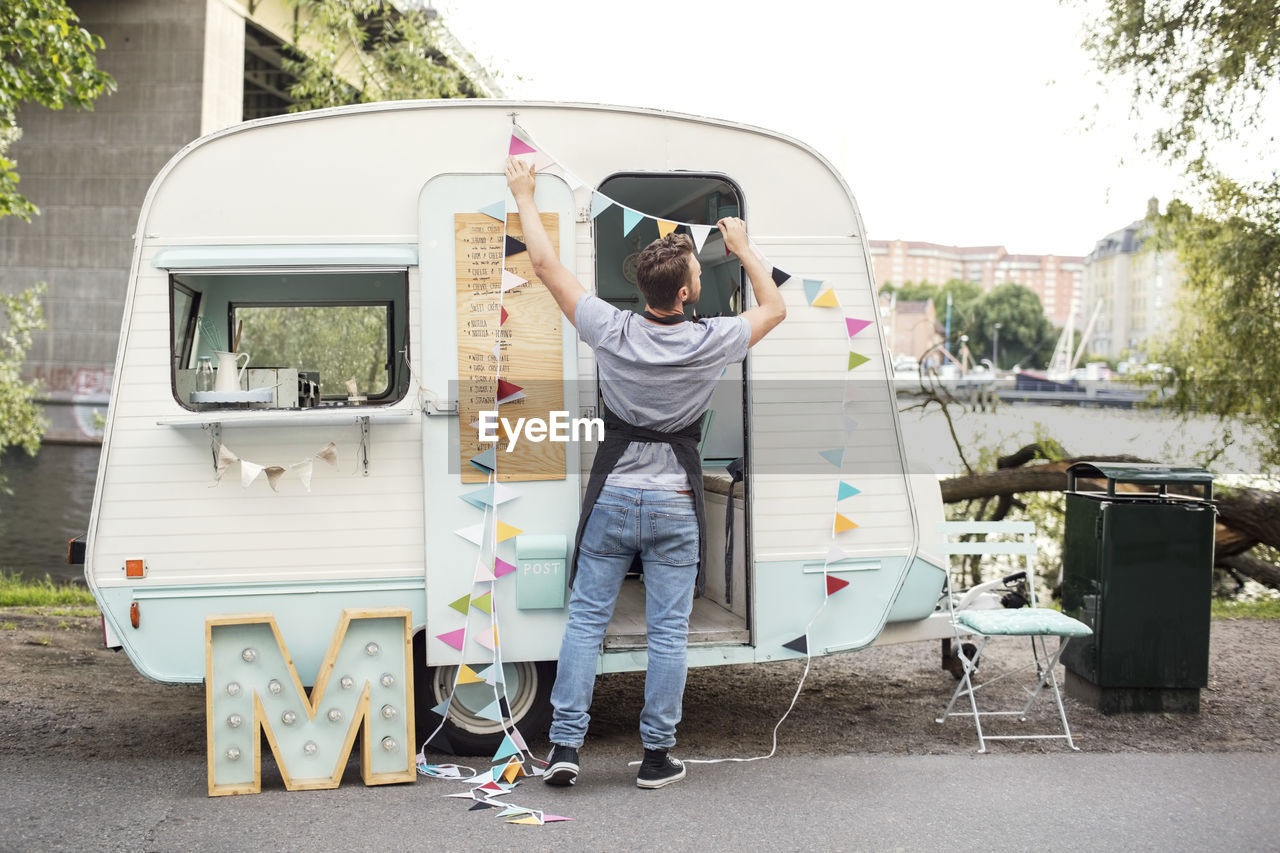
658	377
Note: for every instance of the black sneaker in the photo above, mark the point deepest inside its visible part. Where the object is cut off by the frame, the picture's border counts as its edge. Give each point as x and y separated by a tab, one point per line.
659	769
562	765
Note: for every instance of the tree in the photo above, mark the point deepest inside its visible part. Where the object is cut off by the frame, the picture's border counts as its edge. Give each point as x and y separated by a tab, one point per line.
20	421
46	59
394	51
1026	336
1205	70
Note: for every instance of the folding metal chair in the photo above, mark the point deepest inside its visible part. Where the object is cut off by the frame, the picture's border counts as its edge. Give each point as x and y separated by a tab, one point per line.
1033	622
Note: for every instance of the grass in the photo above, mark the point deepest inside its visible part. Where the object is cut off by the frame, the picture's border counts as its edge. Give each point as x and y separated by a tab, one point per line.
20	592
1267	608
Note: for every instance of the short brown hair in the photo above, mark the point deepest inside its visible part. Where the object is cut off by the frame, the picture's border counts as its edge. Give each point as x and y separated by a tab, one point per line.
663	269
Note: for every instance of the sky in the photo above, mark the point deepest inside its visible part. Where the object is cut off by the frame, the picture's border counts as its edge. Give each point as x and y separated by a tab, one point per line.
979	122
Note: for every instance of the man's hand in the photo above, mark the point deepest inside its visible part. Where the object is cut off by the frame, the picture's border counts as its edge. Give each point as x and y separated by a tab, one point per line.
735	235
770	310
520	178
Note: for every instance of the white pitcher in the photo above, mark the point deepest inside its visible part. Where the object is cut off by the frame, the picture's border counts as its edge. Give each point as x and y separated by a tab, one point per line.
230	371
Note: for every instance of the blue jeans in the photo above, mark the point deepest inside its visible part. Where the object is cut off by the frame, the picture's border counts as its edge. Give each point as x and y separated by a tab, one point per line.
662	528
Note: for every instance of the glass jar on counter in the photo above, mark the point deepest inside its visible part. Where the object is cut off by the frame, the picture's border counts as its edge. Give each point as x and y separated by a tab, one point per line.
204	374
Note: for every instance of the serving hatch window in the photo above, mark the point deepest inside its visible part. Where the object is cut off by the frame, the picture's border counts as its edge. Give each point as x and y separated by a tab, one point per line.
346	343
313	337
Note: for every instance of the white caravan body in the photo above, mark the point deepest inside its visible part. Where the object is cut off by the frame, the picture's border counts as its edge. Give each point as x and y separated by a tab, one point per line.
357	210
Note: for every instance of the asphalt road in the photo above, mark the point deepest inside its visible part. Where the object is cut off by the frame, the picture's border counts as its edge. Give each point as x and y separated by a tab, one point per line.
994	802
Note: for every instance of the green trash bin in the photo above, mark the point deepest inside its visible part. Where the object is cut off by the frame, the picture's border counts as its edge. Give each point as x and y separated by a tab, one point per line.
1137	568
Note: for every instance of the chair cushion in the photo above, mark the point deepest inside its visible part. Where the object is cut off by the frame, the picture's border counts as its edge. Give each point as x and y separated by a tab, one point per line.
1022	621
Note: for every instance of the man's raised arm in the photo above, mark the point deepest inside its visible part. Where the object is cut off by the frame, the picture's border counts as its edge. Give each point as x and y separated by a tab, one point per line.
564	287
770	310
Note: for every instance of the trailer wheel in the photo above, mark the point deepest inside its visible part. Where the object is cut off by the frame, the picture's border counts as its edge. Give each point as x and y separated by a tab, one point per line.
465	732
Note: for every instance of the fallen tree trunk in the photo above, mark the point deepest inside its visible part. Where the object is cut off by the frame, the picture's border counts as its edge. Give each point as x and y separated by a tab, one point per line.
1247	517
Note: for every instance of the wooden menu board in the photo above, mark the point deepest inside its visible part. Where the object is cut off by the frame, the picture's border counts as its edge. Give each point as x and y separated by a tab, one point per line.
528	348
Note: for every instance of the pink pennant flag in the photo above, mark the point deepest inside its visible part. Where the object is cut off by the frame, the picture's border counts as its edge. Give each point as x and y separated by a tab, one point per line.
510	280
855	325
488	639
502	567
518	146
453	638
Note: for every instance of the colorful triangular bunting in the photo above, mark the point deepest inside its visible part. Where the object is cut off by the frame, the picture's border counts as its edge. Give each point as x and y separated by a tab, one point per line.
507	390
854	326
514	810
506	531
461	604
487	639
467	675
497	210
799	644
856	359
519	146
779	277
665	227
835	456
482	575
811	290
835	584
630	219
700	233
826	299
502	315
484	603
842	524
502	567
491	712
487	461
513	247
442	709
599	204
491	495
846	491
505	749
834	555
453	638
510	280
472	534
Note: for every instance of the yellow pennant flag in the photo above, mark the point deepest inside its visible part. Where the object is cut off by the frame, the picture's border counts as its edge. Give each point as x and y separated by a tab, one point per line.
826	299
843	524
665	227
506	531
467	675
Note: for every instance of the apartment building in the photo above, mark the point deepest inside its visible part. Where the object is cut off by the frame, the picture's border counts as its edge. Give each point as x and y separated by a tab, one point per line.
1136	286
1056	279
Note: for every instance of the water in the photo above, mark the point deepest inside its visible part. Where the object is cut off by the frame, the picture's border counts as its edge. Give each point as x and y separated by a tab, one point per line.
49	502
52	493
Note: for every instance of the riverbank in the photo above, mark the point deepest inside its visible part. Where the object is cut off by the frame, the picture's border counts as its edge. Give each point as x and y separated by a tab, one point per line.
63	695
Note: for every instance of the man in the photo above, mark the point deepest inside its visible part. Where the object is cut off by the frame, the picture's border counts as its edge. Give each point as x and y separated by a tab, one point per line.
657	373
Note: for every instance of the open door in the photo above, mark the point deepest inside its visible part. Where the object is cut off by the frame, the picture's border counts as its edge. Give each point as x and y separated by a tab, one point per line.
721	616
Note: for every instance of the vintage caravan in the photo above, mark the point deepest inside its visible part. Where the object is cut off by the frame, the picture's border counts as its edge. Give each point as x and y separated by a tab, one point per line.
320	307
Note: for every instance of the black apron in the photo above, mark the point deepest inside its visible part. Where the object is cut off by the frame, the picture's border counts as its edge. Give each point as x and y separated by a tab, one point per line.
618	435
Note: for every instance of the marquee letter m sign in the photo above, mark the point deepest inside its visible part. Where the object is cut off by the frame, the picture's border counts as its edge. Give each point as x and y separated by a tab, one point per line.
365	685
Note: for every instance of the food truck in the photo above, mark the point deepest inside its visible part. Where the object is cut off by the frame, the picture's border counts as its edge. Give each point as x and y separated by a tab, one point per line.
321	308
